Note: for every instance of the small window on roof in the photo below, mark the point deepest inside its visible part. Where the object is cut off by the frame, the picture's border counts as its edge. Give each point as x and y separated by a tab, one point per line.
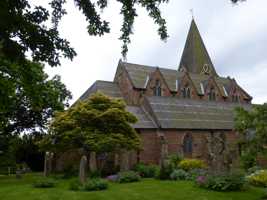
186	92
157	90
212	95
235	98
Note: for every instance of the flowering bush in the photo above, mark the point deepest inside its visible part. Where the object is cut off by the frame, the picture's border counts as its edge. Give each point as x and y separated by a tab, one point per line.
113	178
258	178
189	164
201	181
194	173
179	174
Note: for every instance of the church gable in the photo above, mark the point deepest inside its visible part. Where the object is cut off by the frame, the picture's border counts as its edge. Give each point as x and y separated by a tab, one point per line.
237	94
211	90
156	85
187	89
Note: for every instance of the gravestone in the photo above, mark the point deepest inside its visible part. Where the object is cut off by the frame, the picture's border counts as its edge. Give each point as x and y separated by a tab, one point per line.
92	162
48	163
82	170
124	161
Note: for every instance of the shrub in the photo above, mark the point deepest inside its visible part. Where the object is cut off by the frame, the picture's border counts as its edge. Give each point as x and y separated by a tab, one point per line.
164	172
44	183
258	178
69	172
174	160
226	182
75	185
253	169
179	174
95	184
194	173
94	174
189	164
128	177
248	160
146	171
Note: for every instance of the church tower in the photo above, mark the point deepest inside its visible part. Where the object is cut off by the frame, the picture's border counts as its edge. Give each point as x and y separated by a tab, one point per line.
195	58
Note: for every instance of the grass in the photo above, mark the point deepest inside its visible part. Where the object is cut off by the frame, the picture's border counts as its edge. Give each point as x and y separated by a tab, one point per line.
147	189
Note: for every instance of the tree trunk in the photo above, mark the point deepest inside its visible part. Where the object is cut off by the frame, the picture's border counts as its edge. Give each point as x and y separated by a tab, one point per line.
82	170
92	162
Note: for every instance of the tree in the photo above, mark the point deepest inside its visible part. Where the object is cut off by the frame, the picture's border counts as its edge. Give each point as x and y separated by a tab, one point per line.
27	97
24	27
27	151
99	124
252	124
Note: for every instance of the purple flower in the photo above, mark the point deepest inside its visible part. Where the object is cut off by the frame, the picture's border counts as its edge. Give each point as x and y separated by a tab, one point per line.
201	180
112	178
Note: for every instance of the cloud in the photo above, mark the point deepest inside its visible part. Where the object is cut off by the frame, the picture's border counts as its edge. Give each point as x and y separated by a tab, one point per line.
235	37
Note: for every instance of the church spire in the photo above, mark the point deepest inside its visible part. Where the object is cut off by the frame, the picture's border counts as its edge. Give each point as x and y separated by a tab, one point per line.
195	57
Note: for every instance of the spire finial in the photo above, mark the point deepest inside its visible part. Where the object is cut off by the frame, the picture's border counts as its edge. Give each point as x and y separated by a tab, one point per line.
192	13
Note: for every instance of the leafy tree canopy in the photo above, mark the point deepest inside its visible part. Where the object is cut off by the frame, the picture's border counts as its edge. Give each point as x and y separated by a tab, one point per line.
24	27
253	125
27	97
99	124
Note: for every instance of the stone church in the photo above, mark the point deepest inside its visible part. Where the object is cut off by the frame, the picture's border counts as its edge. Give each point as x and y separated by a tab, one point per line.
188	111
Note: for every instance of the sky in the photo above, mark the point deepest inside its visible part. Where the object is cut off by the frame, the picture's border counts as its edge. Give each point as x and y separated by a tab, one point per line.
235	37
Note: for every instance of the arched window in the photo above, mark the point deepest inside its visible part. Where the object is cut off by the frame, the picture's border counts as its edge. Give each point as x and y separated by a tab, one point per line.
212	95
157	90
188	144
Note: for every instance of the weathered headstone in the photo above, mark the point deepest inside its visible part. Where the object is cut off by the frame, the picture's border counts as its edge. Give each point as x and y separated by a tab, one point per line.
92	162
48	163
124	161
18	174
82	170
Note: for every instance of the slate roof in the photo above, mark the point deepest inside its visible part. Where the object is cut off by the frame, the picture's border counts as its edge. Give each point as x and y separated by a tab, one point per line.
106	87
172	113
139	73
144	120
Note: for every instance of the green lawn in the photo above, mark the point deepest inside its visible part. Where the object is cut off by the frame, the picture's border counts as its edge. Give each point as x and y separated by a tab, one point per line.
147	189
